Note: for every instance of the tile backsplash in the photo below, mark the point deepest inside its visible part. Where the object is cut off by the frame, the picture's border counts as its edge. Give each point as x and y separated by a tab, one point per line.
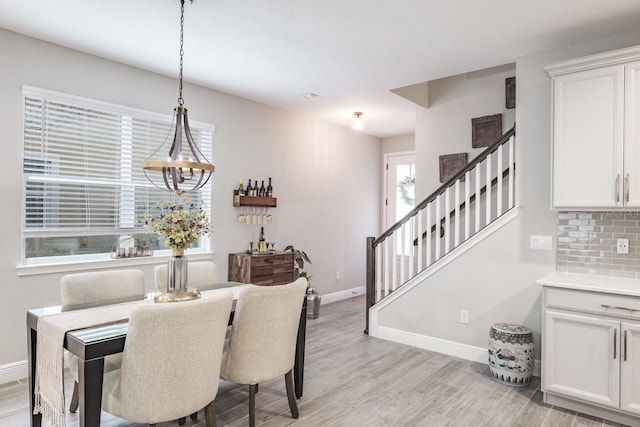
586	243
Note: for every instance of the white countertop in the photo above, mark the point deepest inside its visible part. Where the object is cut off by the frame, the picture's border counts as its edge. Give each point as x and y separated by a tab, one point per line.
587	282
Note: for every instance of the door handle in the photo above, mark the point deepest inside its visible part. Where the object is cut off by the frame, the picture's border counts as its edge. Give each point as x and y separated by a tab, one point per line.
625	345
615	344
618	188
626	188
618	307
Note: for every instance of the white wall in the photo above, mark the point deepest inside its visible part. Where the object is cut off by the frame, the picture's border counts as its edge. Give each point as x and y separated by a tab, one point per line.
445	127
315	168
395	144
495	280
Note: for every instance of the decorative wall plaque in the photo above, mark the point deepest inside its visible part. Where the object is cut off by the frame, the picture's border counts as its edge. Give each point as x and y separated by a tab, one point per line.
486	130
451	164
510	92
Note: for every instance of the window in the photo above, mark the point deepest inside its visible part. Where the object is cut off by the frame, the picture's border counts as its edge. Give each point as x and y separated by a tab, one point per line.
84	190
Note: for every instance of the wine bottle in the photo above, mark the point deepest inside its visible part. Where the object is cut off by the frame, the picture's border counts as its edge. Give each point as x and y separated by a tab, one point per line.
269	189
241	188
261	241
249	189
263	191
255	189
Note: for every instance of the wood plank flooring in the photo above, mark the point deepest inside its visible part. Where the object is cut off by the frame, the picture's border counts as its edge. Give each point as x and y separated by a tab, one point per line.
354	380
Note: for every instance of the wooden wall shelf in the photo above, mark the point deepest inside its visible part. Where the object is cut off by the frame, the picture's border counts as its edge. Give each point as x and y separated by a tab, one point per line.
267	202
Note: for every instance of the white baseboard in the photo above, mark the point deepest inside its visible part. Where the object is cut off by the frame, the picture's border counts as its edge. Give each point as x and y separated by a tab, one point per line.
438	345
17	371
14	371
339	296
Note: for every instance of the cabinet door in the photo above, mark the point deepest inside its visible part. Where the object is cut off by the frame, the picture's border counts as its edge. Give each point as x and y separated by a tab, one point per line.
632	134
630	368
587	138
581	357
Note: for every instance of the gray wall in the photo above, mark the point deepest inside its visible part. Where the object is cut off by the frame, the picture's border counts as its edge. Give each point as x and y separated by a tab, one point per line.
445	126
495	280
316	168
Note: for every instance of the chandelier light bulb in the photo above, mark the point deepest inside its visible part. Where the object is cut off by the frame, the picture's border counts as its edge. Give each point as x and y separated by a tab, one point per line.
357	123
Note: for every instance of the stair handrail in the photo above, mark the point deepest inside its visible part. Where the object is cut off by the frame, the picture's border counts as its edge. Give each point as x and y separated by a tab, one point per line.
462	206
372	242
489	150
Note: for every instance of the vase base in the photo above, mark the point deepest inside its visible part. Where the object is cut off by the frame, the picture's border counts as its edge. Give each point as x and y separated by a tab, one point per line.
188	295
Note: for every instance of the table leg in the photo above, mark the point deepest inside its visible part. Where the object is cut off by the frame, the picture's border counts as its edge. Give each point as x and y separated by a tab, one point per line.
32	343
298	367
90	392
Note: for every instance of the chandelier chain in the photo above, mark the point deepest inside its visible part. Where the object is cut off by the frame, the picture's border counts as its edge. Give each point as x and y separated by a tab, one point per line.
180	99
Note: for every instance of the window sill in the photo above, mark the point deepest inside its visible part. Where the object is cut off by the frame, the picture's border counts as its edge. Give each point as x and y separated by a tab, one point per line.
67	267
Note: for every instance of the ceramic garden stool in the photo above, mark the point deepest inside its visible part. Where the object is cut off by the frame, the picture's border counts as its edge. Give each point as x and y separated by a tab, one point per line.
511	354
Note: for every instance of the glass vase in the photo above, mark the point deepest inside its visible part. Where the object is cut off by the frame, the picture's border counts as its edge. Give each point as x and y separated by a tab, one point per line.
177	280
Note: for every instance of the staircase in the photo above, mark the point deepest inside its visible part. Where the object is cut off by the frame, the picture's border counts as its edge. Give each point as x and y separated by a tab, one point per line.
463	206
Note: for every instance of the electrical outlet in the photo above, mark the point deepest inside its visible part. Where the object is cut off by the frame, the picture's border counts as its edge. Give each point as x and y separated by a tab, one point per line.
338	275
622	246
464	317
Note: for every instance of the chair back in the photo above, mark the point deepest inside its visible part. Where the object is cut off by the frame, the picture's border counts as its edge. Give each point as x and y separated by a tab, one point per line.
84	290
201	275
264	331
171	359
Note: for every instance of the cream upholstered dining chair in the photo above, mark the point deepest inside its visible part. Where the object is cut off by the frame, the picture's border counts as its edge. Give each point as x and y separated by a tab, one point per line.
171	361
83	290
263	338
201	275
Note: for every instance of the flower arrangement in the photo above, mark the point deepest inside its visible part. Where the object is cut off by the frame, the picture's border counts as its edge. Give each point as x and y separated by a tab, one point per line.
181	222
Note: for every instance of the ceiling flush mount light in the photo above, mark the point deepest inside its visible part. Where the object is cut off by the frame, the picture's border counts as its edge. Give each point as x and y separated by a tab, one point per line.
186	169
309	95
357	123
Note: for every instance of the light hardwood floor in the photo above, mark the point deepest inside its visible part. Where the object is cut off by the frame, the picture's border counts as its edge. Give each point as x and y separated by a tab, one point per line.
353	380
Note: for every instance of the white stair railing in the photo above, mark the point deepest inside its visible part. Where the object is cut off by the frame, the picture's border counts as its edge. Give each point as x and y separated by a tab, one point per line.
452	214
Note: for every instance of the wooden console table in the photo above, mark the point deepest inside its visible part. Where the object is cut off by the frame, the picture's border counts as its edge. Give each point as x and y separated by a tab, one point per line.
270	268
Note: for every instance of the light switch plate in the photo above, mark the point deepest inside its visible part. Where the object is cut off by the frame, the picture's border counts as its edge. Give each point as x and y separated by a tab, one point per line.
544	243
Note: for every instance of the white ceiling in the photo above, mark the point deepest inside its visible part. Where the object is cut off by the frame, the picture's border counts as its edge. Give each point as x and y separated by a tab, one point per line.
350	52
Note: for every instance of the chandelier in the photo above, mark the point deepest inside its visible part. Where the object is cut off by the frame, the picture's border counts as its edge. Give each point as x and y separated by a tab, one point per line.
186	168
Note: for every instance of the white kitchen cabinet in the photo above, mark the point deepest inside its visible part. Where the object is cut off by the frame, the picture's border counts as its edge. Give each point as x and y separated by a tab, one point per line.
575	344
591	352
595	131
630	372
632	134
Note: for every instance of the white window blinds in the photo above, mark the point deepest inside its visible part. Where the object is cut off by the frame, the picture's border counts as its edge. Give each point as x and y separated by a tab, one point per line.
83	174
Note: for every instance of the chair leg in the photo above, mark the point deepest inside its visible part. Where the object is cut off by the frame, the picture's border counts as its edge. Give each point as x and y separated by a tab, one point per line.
252	405
194	416
182	421
73	406
209	415
293	406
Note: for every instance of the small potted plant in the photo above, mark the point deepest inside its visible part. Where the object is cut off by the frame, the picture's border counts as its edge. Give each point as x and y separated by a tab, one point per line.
299	258
313	299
